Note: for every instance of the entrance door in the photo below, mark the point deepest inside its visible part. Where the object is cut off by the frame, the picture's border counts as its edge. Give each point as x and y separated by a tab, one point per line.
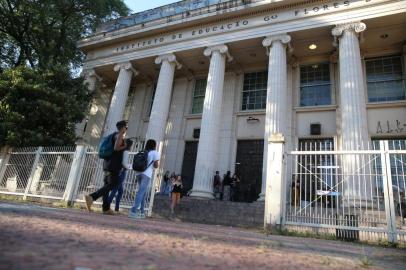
188	165
249	168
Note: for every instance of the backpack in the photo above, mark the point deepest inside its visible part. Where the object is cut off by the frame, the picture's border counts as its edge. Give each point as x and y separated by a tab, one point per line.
140	161
106	146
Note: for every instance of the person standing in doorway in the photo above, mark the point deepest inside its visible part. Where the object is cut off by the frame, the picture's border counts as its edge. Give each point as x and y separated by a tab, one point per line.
217	185
112	168
118	191
143	180
227	186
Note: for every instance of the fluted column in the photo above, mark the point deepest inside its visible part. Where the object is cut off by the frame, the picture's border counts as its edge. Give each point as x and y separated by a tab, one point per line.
90	79
161	104
120	95
276	97
210	126
354	130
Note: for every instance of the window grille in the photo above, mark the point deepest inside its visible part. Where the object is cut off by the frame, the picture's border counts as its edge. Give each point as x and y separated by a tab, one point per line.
254	91
385	80
315	85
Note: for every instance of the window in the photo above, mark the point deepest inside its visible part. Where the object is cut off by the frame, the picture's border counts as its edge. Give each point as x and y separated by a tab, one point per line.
385	81
152	99
315	85
198	96
254	91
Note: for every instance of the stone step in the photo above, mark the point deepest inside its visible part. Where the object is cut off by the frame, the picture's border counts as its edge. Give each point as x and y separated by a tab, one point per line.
237	214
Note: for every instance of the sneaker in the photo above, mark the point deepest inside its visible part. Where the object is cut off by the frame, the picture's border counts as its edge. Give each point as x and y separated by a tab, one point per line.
108	212
89	202
134	215
142	215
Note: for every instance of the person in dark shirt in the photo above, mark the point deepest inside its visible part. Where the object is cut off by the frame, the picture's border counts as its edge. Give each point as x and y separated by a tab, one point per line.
226	186
176	191
112	168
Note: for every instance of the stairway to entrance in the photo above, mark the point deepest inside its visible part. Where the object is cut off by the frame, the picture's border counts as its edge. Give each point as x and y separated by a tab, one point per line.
237	214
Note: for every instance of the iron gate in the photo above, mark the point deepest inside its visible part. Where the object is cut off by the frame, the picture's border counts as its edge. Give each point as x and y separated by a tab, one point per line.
357	195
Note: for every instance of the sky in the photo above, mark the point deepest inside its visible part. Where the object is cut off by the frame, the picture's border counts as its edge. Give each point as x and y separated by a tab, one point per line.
141	5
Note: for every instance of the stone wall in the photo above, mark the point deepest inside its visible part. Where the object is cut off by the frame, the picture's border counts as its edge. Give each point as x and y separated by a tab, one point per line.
249	215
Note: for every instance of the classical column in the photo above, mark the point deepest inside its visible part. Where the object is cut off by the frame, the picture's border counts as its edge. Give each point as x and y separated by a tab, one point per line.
90	79
209	131
120	95
354	129
162	100
276	96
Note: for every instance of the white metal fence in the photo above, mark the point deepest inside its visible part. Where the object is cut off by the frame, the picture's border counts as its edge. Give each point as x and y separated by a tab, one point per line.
62	173
354	194
351	194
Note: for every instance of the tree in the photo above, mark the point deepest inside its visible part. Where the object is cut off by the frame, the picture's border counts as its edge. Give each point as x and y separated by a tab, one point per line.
43	33
33	110
40	100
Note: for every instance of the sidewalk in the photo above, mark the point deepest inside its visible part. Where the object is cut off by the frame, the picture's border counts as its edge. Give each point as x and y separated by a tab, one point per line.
36	237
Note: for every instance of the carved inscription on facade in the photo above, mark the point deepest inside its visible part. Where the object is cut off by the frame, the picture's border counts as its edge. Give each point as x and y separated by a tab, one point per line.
390	127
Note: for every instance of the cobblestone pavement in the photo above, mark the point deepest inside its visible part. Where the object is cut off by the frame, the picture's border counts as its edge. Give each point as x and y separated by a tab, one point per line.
37	237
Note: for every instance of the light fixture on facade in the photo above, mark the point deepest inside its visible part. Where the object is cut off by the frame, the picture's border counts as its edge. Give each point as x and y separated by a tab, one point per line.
251	119
315	66
312	46
384	36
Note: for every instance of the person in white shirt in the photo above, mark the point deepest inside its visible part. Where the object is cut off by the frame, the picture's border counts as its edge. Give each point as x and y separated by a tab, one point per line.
143	180
118	190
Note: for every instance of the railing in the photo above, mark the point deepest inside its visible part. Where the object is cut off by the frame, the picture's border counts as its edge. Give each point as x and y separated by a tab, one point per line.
62	173
352	194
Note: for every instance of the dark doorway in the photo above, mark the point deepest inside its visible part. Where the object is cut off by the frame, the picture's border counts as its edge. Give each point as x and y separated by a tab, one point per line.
249	168
188	165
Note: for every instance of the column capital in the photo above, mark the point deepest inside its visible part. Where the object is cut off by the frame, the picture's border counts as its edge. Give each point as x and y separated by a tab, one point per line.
126	66
356	27
282	38
223	49
170	57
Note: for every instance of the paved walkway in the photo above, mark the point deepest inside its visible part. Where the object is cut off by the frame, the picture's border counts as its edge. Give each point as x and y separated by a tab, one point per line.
36	237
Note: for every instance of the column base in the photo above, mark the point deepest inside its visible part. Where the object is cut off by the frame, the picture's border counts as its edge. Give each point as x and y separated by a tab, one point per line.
201	194
261	197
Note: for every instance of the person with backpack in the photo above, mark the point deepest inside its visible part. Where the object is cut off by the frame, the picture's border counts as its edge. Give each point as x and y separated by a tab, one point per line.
143	163
118	191
112	165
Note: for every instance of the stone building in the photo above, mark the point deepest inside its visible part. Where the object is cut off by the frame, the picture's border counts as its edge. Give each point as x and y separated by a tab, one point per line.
212	80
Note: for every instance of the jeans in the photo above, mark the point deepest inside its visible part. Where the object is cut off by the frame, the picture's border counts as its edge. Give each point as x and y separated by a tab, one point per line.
139	203
118	191
110	182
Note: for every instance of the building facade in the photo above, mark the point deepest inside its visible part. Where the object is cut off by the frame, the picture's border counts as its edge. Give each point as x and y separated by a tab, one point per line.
212	81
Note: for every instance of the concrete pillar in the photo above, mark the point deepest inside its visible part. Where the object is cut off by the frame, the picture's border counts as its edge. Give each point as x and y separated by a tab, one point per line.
275	186
276	98
211	118
120	95
356	184
162	100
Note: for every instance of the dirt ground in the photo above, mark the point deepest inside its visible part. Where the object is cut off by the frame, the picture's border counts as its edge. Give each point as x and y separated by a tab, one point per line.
38	237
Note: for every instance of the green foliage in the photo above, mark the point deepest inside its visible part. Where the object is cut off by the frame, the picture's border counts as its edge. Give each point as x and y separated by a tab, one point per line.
40	101
44	33
40	107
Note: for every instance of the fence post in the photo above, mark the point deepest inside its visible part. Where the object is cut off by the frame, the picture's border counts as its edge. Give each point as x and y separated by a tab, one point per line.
33	170
388	191
274	192
74	174
4	158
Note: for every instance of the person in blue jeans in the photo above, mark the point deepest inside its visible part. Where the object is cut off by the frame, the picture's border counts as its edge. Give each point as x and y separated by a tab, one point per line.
143	180
119	189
